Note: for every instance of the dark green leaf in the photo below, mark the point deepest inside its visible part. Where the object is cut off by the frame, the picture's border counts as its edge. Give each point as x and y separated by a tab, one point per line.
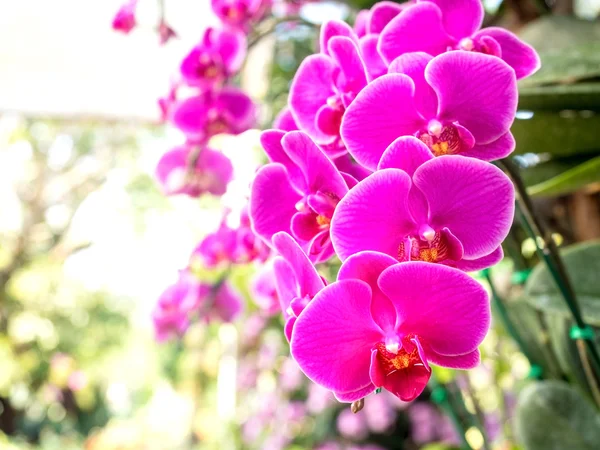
551	415
570	180
582	262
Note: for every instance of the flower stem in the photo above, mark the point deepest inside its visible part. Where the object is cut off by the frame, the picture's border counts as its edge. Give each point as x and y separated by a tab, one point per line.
440	395
506	321
548	252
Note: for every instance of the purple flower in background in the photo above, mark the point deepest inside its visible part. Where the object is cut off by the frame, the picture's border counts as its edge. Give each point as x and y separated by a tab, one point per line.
165	33
216	248
124	20
227	303
456	103
395	319
296	279
166	103
380	412
249	247
451	210
326	83
296	193
318	399
240	13
171	313
264	292
212	173
436	26
352	426
219	55
205	115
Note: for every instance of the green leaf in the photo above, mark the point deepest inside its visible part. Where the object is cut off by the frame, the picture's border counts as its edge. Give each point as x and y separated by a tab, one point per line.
567	65
570	180
580	96
560	134
551	415
543	171
550	33
582	262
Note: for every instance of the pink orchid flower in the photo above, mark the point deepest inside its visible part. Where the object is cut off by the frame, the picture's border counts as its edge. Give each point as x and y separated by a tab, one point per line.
171	313
124	20
240	13
231	245
297	280
296	193
382	323
205	115
212	173
227	303
451	210
326	83
165	33
436	26
219	55
457	103
285	121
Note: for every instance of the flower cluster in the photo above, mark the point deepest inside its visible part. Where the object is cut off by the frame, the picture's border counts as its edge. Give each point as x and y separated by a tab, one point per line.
382	159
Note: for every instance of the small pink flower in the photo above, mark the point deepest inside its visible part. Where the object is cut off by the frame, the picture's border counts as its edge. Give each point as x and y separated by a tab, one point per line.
171	313
451	209
216	248
240	13
297	280
124	20
165	33
219	55
264	292
212	173
167	102
296	193
436	26
205	115
352	426
381	325
227	303
326	83
456	103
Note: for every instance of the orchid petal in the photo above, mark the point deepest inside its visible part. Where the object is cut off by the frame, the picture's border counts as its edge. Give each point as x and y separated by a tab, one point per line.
333	337
413	65
461	18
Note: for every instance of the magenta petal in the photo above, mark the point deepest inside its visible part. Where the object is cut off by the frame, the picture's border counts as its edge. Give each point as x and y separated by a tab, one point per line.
413	65
383	111
517	54
467	361
190	115
310	89
309	280
349	397
376	66
319	171
331	29
473	265
271	141
461	18
406	153
478	91
320	248
239	108
361	22
285	284
285	121
346	54
333	337
498	149
227	304
367	266
472	198
272	202
447	309
232	49
418	29
304	226
215	171
406	384
381	14
373	215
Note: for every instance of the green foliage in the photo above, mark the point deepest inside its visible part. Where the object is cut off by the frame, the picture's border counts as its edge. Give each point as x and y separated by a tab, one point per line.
551	415
570	180
582	262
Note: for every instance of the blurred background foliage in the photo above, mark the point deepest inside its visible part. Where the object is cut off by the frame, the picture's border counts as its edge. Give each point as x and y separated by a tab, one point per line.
78	364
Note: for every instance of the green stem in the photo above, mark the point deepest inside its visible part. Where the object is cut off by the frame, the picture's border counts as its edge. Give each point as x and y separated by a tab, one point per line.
506	321
441	396
548	253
